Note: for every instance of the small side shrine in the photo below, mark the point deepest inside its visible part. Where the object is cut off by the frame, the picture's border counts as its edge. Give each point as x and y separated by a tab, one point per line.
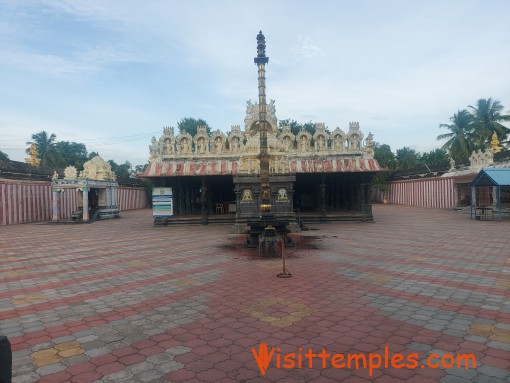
497	179
96	186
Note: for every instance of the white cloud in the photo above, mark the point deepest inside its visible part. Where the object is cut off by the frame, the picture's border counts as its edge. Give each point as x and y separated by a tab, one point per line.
399	68
306	48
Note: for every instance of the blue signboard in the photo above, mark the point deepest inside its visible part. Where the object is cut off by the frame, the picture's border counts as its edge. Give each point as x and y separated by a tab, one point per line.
162	203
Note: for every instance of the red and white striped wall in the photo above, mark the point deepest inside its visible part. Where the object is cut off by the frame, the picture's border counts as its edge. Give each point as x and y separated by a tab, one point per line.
31	201
129	198
68	203
438	193
22	202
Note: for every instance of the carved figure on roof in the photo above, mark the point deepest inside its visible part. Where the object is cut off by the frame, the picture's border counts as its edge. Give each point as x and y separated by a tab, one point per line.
287	138
480	159
235	145
354	142
303	143
218	145
32	156
495	147
287	143
185	147
154	150
33	150
354	137
248	164
168	146
304	138
201	146
370	140
218	139
184	144
279	164
168	131
369	146
97	169
201	140
249	108
70	173
338	139
235	139
321	143
338	142
251	121
321	137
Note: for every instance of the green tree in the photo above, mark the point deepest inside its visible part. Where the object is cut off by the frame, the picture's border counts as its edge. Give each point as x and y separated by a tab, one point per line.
384	156
46	150
121	171
92	155
190	125
140	168
407	158
3	156
487	119
460	139
435	157
386	159
295	126
74	153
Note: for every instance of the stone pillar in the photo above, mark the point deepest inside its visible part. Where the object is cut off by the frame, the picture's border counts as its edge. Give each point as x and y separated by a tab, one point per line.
203	200
109	197
56	205
322	198
363	213
193	198
188	197
337	193
366	205
85	204
114	197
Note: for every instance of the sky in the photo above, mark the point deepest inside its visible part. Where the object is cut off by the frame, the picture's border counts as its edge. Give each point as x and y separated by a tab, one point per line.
111	74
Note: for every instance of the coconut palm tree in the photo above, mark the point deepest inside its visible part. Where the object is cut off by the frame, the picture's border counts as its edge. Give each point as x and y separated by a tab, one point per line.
487	120
460	139
406	158
46	150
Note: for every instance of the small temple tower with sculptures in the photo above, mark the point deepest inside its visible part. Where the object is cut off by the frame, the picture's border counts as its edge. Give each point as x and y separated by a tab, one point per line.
234	176
96	187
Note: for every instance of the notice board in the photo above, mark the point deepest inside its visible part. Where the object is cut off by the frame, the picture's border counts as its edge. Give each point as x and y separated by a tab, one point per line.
162	203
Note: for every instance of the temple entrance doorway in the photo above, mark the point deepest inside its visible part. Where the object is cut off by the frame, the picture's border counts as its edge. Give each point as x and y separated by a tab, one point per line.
187	194
333	192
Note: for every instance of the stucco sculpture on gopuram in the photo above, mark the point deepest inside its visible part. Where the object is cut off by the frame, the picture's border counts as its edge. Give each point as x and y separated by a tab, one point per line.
236	152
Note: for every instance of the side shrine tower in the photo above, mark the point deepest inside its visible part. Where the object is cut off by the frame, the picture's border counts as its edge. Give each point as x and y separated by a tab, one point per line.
266	199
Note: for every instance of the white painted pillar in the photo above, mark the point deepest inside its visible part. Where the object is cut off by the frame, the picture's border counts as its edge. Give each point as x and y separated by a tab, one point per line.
56	210
109	197
114	197
85	204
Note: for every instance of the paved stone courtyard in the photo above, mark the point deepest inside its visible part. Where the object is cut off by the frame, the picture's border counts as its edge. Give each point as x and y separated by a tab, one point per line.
122	301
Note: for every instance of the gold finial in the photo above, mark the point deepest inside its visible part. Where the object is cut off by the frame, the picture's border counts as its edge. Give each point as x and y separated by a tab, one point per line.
495	143
32	156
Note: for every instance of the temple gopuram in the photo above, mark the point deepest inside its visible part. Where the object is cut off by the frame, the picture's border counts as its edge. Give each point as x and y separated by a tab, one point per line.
215	177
